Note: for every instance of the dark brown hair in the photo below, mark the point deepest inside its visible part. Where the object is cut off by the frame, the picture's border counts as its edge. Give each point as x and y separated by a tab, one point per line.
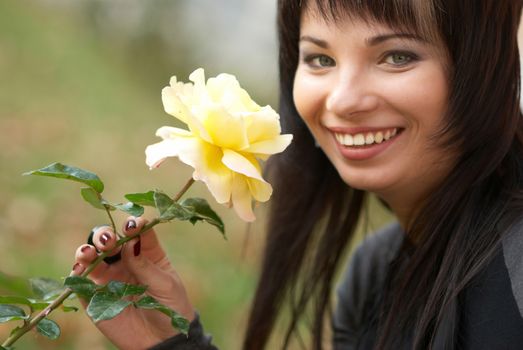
314	213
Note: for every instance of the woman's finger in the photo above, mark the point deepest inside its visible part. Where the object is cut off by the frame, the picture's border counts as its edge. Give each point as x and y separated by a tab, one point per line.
104	239
77	269
149	243
133	225
101	274
85	254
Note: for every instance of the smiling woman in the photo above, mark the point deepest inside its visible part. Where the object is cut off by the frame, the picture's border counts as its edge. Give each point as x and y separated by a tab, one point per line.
404	104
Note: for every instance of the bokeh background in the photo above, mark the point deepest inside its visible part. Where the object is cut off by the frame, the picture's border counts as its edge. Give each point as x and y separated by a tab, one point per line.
80	83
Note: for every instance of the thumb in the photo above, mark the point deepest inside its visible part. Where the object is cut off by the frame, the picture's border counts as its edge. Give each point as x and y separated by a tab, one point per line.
162	281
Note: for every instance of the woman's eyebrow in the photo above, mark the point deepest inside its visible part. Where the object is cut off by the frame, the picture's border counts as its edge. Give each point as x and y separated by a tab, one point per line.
316	41
372	41
378	39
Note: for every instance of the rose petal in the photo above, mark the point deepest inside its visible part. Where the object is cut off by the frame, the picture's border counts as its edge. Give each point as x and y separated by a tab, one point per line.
262	125
272	146
198	78
225	90
260	190
226	130
175	107
206	161
241	164
168	132
155	154
241	198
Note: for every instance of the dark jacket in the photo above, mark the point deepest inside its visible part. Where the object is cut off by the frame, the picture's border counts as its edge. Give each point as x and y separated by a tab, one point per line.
491	312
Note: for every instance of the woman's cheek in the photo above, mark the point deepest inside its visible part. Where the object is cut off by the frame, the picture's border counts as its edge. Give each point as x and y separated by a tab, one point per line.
306	94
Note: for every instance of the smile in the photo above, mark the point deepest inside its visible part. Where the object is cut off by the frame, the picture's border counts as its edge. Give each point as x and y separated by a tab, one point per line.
365	138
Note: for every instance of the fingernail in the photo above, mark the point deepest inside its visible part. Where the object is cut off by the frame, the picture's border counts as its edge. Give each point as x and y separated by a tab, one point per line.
137	247
75	267
85	248
104	238
131	224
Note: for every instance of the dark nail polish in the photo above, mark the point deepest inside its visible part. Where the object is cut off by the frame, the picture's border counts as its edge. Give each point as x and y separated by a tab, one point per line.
137	247
104	238
131	224
85	248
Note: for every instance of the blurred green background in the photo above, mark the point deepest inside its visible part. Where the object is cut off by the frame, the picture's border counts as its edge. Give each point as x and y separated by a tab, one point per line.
80	83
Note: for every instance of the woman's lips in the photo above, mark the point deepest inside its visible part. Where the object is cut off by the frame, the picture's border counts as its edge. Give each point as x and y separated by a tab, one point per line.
365	144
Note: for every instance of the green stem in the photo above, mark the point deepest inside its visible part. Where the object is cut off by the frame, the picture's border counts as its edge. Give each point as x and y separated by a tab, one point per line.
108	211
34	321
67	292
183	190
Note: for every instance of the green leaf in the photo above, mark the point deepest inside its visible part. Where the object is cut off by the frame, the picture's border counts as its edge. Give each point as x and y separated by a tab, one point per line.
170	210
203	211
192	209
92	197
9	299
145	199
45	288
82	286
105	306
14	284
68	308
34	304
179	322
11	313
63	171
162	202
123	289
177	211
39	305
130	208
48	328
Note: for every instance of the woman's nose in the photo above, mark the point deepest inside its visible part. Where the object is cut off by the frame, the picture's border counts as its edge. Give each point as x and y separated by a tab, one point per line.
351	94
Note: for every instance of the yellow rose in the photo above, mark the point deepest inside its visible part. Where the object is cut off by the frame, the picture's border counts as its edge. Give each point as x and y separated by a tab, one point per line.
228	133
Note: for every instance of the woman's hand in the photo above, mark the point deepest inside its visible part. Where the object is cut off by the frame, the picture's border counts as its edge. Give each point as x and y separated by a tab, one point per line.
143	261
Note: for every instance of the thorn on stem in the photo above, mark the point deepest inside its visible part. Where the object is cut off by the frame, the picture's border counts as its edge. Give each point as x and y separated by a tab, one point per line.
47	311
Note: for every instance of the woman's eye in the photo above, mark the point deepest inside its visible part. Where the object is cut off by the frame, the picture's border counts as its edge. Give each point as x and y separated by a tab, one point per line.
399	58
319	61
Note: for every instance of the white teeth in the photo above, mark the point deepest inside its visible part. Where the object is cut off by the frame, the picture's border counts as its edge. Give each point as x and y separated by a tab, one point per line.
379	137
365	139
359	140
348	140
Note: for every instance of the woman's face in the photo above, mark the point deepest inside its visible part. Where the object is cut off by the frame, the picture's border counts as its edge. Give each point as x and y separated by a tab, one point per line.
374	98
